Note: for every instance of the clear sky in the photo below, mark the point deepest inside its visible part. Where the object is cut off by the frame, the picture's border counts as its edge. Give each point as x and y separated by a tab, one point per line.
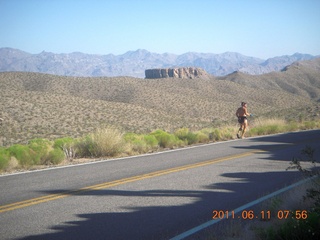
258	28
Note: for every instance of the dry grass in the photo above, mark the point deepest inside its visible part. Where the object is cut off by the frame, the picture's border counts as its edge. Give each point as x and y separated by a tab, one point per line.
106	142
269	121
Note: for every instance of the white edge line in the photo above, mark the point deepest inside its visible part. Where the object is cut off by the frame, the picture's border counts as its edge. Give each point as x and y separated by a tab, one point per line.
141	155
239	209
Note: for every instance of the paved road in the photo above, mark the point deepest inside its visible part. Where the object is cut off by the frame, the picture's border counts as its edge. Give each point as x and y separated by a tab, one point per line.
155	196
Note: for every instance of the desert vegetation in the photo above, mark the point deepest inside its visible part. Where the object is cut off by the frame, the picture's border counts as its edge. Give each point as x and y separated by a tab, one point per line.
48	119
110	142
47	106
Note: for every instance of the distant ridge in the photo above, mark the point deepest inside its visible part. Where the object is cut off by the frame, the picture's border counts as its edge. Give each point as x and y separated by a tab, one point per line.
134	63
300	78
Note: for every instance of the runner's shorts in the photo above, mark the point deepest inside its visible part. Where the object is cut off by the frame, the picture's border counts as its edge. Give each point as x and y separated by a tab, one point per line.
241	119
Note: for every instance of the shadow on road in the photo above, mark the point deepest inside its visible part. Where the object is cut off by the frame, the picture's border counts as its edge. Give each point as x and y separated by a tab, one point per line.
134	221
284	147
162	222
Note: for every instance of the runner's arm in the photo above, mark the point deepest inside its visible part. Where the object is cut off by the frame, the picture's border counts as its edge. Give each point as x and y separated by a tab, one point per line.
246	112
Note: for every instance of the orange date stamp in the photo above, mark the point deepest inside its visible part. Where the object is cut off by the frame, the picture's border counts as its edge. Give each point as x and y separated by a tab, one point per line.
264	214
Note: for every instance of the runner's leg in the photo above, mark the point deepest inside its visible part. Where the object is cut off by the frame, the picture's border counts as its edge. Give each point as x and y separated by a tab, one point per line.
244	128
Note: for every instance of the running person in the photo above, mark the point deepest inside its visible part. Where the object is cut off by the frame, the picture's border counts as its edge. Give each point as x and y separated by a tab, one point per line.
242	114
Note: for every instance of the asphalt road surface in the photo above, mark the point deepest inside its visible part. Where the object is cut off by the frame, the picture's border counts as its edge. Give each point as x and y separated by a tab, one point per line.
155	196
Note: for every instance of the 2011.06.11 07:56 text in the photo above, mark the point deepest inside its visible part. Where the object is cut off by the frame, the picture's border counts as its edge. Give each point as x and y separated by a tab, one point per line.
264	214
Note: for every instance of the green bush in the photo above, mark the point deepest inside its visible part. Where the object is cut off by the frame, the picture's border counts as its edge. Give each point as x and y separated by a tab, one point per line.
55	156
4	158
186	136
229	133
41	149
202	137
63	142
256	131
136	142
129	137
85	147
216	135
68	146
272	129
166	140
151	141
291	126
182	133
272	126
141	143
310	125
25	156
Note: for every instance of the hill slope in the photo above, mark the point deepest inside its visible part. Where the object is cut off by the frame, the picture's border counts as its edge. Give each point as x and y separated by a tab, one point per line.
49	106
300	78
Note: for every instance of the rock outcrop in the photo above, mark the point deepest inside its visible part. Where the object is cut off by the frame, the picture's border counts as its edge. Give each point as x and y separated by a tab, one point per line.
182	72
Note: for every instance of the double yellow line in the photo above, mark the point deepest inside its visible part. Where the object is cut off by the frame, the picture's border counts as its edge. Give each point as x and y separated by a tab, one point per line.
51	197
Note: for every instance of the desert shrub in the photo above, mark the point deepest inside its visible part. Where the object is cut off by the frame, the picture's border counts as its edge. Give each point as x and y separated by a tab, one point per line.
85	147
4	158
141	143
41	149
23	154
310	125
129	137
268	126
151	141
218	134
232	131
255	131
265	130
55	156
185	135
291	126
215	135
202	137
272	129
137	142
105	142
67	145
228	132
272	126
207	132
182	133
167	140
61	142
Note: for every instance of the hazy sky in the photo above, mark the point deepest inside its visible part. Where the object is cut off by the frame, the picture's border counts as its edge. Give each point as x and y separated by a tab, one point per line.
258	28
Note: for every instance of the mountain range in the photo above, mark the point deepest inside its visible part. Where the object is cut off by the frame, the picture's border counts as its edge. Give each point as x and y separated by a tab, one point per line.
134	63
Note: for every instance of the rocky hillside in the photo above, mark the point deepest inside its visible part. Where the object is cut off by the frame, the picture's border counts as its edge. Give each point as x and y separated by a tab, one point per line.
51	106
134	63
300	78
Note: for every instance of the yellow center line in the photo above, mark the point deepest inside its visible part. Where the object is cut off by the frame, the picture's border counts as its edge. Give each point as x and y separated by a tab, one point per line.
51	197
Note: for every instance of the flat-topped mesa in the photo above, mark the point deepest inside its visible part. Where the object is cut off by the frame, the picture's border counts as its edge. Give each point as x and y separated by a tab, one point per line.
182	72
